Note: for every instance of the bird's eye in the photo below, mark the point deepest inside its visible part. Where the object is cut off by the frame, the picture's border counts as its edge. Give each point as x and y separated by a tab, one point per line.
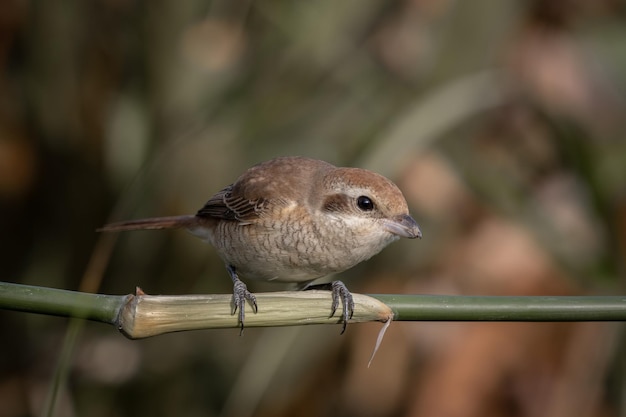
365	203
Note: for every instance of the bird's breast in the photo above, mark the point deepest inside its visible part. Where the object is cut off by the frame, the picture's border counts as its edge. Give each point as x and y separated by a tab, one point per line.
295	247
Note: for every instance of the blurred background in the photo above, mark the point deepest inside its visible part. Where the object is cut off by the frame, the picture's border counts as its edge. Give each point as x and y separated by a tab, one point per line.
502	122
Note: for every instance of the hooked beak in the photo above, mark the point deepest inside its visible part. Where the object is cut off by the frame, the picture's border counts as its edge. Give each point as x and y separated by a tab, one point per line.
403	226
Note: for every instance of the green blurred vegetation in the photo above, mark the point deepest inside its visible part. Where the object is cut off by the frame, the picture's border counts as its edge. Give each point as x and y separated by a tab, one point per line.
501	121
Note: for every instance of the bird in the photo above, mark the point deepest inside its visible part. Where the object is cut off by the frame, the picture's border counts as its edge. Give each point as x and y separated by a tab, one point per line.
294	219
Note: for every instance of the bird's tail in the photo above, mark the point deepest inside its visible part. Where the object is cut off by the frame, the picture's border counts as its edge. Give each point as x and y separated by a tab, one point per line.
172	222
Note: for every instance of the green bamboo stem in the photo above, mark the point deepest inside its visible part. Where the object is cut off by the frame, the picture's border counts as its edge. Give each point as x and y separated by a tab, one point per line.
52	301
505	308
142	315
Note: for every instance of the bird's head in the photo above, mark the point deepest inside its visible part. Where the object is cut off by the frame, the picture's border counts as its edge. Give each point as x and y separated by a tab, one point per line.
367	203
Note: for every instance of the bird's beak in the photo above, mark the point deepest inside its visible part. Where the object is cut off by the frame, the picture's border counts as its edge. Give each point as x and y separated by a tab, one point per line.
403	226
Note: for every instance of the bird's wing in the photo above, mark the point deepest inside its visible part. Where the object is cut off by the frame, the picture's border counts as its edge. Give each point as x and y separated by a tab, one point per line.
228	206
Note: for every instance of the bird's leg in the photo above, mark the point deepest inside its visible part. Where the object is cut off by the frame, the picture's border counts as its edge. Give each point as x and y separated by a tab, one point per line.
339	292
240	295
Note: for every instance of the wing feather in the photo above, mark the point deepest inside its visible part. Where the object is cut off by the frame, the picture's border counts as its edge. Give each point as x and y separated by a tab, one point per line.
228	206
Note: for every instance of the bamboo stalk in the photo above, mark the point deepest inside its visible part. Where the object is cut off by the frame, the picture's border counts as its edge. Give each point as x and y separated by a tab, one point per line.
141	315
56	302
408	307
147	315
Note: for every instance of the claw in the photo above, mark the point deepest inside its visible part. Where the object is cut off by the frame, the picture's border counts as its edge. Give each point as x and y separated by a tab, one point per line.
240	295
340	291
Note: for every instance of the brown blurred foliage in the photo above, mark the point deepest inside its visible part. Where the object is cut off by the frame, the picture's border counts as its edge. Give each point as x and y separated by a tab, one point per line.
502	122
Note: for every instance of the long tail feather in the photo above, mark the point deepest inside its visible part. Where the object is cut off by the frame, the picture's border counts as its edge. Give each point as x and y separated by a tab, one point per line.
172	222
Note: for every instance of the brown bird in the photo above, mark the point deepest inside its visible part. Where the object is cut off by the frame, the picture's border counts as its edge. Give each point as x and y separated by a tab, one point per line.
295	219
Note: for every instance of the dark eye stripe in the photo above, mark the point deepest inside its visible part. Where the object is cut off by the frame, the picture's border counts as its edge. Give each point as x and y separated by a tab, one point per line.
335	203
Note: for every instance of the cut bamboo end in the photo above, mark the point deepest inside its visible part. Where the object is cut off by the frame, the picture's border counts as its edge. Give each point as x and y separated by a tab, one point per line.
149	315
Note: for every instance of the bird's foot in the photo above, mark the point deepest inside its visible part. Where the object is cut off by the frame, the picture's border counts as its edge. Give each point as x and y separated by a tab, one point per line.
339	292
240	296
